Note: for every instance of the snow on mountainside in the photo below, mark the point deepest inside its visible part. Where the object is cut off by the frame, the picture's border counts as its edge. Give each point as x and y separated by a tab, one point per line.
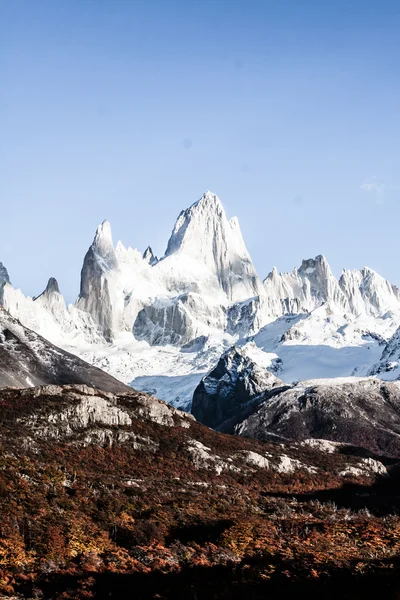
388	366
238	396
162	324
304	289
363	412
184	295
47	314
27	359
313	284
204	235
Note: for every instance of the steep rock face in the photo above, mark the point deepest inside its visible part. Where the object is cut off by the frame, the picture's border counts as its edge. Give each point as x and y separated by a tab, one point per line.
203	234
51	298
304	289
313	284
322	285
247	317
364	413
178	320
115	283
205	269
207	280
149	257
368	293
27	359
97	296
4	278
231	390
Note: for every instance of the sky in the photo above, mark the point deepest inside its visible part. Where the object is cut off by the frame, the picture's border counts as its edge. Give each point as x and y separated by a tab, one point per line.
128	110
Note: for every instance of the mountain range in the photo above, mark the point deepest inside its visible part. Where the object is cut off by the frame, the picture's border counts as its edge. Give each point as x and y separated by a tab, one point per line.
162	324
108	492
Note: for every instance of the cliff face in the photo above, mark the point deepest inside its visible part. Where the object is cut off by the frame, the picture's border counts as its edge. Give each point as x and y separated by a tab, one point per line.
232	390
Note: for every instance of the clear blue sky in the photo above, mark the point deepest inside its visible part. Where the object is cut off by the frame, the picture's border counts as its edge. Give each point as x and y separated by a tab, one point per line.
129	109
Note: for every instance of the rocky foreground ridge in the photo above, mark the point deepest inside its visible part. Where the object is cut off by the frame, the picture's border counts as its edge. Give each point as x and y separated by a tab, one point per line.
241	397
108	494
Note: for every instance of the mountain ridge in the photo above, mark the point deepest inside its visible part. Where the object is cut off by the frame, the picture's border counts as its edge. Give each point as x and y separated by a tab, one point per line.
161	323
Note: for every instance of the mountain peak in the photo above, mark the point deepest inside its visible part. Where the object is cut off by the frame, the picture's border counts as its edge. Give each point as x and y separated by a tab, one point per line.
149	257
210	196
52	286
203	234
51	297
103	238
103	247
229	390
309	265
210	201
94	296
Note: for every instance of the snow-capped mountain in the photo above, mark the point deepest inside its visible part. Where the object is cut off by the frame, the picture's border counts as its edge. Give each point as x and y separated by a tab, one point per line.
188	293
359	292
304	289
203	236
161	324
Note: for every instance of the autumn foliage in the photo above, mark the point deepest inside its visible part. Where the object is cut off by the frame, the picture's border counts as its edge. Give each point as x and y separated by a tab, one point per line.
81	520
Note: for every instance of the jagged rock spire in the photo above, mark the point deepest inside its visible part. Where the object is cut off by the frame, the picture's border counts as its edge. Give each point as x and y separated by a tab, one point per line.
95	296
205	236
52	286
4	279
149	256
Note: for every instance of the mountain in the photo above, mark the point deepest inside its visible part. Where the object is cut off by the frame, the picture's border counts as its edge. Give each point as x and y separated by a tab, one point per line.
27	359
364	413
162	324
239	396
115	495
361	292
205	271
175	299
98	296
304	289
203	236
231	391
